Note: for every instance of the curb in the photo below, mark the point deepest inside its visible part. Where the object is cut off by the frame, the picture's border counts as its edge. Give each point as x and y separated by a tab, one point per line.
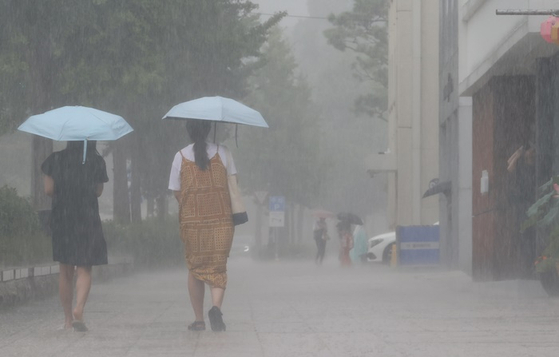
18	285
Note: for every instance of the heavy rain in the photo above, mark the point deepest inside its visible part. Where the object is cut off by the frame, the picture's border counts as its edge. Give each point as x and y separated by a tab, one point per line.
279	178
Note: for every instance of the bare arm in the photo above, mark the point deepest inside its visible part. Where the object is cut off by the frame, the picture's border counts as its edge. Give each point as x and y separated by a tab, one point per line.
99	189
177	196
48	185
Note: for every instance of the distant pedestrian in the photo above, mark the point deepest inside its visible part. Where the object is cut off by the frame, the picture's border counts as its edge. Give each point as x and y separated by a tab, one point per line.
320	233
77	235
358	253
346	242
198	180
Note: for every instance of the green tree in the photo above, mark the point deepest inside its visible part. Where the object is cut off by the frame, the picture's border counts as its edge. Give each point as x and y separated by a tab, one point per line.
364	32
283	159
133	58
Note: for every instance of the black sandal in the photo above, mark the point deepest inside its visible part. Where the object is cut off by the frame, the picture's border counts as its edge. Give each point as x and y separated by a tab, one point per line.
216	321
197	326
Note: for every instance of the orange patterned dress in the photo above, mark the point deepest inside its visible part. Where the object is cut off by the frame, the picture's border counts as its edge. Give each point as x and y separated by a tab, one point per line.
205	220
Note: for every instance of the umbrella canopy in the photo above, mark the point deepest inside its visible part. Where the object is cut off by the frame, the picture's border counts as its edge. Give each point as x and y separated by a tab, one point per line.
350	218
76	123
320	213
217	109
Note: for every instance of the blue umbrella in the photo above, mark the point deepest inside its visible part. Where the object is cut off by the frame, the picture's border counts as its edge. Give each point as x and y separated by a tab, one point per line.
217	109
77	123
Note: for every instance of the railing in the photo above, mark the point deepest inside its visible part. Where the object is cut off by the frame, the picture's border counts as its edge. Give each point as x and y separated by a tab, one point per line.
553	12
9	274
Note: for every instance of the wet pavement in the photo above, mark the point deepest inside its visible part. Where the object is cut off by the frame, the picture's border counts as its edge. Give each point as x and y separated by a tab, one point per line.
298	309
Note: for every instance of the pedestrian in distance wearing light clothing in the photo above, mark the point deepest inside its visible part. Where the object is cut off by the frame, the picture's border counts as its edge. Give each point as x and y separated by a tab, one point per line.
358	253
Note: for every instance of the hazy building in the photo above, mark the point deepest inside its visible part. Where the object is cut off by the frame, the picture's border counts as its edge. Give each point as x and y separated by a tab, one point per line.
411	158
455	149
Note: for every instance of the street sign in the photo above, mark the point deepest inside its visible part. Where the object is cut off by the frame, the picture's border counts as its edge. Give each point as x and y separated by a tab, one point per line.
277	211
277	218
277	203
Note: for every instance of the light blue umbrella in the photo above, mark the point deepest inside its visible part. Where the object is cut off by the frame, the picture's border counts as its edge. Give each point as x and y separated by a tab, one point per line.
76	123
217	109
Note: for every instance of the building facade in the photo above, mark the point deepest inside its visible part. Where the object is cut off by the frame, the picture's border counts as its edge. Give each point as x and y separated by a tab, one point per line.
510	73
455	149
411	159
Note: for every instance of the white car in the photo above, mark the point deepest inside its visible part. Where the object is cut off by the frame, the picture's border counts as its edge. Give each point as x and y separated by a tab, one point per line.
379	248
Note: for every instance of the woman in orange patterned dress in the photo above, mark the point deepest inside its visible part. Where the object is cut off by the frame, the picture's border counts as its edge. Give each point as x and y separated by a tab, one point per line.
199	182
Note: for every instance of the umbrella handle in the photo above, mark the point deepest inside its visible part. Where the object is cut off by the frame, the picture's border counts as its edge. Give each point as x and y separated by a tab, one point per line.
84	150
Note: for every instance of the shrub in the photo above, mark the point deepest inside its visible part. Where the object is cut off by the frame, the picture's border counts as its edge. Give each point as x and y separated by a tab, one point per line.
21	240
151	243
544	214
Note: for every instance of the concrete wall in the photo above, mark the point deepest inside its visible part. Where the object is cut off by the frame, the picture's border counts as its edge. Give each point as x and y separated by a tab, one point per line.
496	45
455	148
413	107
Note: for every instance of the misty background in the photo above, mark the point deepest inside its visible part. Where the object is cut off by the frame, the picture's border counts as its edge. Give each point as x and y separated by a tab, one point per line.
326	169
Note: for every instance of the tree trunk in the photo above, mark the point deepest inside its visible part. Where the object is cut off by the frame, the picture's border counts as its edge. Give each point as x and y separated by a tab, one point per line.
291	226
135	189
39	101
121	202
42	148
258	228
150	207
300	223
162	207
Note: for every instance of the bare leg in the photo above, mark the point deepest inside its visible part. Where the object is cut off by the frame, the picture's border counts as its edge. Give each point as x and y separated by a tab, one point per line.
196	289
66	292
217	296
83	286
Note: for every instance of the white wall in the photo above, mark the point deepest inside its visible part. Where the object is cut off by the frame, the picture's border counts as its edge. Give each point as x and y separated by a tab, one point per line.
486	37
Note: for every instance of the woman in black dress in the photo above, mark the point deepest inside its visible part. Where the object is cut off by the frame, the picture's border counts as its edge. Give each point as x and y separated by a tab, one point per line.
77	235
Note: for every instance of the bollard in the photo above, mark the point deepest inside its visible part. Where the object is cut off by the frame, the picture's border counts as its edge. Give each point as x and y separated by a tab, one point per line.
394	256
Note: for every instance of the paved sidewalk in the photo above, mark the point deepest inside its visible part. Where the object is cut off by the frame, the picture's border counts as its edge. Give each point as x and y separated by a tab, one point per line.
298	309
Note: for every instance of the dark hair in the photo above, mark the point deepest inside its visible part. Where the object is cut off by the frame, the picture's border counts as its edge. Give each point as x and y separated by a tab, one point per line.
343	226
198	131
76	147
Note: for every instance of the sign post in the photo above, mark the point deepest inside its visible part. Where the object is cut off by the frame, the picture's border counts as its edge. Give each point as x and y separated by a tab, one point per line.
260	204
277	211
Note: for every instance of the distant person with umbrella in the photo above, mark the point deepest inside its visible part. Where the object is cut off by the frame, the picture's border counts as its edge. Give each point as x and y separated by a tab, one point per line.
346	242
74	178
77	235
320	234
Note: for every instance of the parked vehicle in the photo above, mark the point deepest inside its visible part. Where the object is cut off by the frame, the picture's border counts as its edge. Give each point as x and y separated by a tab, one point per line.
380	247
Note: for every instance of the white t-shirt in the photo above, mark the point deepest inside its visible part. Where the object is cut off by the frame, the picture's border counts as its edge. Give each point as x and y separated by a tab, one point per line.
188	153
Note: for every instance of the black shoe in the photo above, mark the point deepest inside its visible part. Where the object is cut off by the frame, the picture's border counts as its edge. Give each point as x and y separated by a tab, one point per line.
216	321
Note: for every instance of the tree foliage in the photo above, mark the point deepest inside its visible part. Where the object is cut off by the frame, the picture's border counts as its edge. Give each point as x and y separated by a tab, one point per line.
364	32
282	160
134	58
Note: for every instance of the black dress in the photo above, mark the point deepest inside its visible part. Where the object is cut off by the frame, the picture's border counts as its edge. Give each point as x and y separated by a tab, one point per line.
77	234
